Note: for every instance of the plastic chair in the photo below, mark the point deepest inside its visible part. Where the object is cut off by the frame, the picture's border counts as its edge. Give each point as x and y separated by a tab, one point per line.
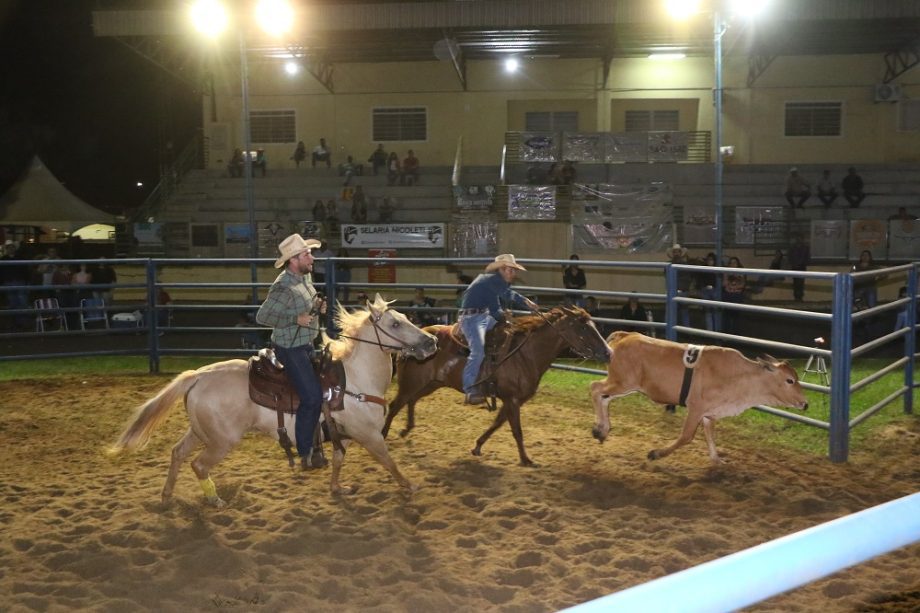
49	310
93	309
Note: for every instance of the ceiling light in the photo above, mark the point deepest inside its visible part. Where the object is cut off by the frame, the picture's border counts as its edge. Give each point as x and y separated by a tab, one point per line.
511	64
670	55
292	68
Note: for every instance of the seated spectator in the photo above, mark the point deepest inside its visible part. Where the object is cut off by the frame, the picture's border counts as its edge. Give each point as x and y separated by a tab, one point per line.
332	224
331	208
797	189
393	169
321	153
358	206
260	161
385	211
319	211
409	169
163	315
573	277
853	188
378	159
554	174
235	166
633	311
827	193
300	153
902	215
591	306
567	173
350	169
422	316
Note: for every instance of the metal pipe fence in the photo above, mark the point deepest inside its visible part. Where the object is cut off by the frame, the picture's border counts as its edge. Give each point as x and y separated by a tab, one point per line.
203	323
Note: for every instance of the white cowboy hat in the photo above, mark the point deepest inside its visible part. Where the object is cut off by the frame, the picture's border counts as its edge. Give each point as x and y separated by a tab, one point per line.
294	245
677	250
505	259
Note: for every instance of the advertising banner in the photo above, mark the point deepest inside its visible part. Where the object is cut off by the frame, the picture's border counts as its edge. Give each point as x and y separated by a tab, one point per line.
416	236
531	202
539	147
667	146
903	239
760	224
381	271
829	238
868	235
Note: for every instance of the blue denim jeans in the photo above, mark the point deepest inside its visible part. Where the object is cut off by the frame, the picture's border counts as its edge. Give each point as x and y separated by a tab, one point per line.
474	328
299	370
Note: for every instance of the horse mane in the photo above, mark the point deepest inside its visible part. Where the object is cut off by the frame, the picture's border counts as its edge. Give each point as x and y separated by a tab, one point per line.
526	323
348	324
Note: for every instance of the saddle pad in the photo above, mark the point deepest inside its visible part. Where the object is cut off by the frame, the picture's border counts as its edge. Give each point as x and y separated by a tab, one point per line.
270	387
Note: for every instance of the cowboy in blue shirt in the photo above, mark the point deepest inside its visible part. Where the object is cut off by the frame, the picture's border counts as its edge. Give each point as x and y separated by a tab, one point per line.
481	309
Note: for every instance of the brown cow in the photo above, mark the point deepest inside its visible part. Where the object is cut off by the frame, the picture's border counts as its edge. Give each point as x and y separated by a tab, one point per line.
724	383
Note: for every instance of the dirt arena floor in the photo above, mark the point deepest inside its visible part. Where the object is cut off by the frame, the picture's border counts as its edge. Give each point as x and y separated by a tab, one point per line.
83	531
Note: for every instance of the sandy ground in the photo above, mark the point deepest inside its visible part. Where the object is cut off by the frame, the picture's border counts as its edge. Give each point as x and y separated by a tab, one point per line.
83	531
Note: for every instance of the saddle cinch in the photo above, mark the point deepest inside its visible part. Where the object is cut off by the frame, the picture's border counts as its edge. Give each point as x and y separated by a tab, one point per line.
270	387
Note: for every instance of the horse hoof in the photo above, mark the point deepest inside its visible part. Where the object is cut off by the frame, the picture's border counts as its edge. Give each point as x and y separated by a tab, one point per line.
529	464
216	501
344	490
596	433
476	451
653	454
403	433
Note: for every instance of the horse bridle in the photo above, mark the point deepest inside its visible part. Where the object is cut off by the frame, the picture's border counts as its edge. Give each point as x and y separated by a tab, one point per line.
375	321
577	348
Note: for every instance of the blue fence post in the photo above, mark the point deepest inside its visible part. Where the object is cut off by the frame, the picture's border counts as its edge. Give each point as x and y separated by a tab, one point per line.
331	330
153	338
841	344
910	341
670	307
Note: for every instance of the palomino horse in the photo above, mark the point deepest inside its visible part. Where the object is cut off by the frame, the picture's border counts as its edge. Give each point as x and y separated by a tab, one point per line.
536	341
220	411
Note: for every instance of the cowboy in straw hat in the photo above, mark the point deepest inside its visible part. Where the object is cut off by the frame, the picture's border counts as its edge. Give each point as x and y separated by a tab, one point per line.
481	309
292	310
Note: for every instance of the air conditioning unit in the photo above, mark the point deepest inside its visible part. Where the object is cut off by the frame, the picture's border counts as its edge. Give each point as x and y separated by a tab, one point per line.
887	92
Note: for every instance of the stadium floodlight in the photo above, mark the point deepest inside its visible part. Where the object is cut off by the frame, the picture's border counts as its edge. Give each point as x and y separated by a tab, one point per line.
209	17
291	67
275	17
511	65
682	9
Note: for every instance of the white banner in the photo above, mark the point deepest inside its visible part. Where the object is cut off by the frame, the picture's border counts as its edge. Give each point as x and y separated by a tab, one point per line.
417	236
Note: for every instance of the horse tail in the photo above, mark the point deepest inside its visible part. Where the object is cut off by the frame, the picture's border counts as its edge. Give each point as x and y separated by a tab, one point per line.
153	412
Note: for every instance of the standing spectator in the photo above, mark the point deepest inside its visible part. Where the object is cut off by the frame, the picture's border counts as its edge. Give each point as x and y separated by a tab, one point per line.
82	277
797	189
16	275
573	277
678	255
300	153
734	285
853	188
827	193
865	293
319	211
706	284
393	169
104	274
422	316
378	159
342	274
321	153
799	256
777	263
358	206
235	166
292	309
410	169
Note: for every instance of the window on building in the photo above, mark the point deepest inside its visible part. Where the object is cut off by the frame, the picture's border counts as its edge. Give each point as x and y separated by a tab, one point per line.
272	126
400	124
813	118
551	121
205	235
909	116
647	121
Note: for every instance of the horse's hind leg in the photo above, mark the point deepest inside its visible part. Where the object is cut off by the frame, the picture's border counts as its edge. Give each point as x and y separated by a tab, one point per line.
180	453
501	418
377	447
338	458
202	465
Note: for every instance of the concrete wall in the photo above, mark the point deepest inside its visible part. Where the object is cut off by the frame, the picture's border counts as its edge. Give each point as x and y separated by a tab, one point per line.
495	102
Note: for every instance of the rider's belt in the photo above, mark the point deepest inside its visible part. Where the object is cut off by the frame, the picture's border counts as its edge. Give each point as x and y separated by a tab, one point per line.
463	312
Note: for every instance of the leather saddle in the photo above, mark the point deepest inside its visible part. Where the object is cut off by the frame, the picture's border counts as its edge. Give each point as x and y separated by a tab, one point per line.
270	387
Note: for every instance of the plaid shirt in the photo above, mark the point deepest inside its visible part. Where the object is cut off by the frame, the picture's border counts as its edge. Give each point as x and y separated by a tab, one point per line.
288	297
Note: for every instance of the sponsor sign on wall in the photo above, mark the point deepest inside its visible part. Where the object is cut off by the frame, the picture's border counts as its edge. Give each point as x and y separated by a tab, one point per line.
416	236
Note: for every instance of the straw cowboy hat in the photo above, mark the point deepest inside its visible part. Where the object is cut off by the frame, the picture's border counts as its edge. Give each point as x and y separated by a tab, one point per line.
676	251
505	259
294	245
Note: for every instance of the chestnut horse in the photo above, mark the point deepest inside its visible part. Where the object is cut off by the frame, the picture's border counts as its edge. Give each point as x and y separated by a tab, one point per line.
536	341
220	411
